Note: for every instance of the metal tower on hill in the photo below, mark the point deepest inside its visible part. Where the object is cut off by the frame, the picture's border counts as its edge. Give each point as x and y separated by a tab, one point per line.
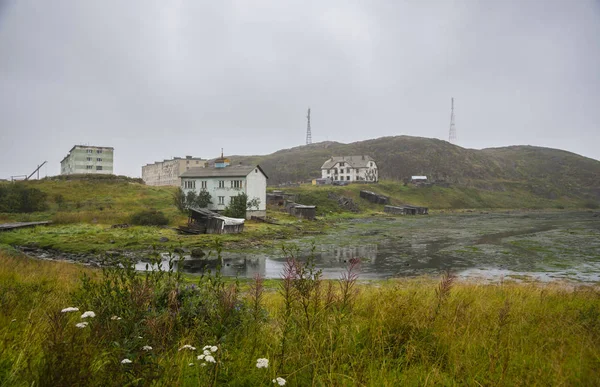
308	134
452	134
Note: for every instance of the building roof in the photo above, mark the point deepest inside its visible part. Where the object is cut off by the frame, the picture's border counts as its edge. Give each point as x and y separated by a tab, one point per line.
353	161
86	146
229	171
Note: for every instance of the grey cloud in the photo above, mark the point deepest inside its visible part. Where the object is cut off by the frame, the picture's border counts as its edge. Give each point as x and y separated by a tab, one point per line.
159	79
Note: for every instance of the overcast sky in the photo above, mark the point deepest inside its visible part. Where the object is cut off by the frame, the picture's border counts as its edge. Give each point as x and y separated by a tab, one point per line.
157	79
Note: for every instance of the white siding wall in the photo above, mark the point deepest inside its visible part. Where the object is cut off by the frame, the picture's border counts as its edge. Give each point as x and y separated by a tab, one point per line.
257	188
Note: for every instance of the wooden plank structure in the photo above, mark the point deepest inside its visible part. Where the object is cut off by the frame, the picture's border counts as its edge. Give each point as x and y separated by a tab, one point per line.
406	209
374	197
203	221
15	225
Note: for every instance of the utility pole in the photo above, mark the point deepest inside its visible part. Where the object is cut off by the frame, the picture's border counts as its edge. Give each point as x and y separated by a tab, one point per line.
452	134
308	133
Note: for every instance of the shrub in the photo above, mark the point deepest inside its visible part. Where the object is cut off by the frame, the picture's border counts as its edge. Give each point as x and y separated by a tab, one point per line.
149	218
18	197
237	207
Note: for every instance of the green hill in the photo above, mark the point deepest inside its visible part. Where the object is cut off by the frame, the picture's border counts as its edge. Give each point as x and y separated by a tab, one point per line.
543	172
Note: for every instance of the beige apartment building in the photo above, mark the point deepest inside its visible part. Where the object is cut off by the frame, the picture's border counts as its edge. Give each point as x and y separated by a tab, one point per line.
167	172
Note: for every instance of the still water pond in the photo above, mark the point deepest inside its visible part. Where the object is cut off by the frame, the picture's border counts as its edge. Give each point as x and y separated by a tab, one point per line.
535	245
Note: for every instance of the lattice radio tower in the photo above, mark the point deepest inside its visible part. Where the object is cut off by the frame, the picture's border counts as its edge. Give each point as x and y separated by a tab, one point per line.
308	134
452	134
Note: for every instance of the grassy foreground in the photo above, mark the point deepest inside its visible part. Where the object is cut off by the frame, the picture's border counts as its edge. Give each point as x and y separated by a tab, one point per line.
313	332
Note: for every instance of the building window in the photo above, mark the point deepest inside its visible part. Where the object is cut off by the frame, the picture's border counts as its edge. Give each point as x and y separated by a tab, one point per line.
187	161
342	164
204	185
99	159
89	159
196	161
221	183
347	177
88	167
89	151
98	150
221	199
236	184
98	167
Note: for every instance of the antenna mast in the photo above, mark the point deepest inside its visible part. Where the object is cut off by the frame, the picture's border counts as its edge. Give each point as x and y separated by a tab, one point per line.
308	134
452	135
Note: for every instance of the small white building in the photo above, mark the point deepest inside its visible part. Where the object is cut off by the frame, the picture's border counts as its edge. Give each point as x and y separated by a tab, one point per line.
224	181
350	168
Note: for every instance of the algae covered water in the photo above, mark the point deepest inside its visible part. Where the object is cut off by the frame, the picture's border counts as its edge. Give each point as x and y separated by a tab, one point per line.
519	245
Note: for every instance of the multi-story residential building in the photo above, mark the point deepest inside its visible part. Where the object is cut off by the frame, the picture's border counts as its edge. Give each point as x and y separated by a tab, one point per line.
224	181
88	159
350	168
167	172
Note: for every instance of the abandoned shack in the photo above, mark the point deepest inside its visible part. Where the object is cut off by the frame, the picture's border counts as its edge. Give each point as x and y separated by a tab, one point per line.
374	197
406	210
301	211
203	221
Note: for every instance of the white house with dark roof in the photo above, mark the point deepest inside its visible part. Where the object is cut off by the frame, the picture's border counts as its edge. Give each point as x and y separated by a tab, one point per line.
350	168
224	181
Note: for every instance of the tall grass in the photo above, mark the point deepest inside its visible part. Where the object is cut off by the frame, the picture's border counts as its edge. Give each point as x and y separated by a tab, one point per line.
313	332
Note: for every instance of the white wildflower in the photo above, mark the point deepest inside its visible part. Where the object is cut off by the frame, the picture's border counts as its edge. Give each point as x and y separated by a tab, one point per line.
146	348
82	324
206	352
262	363
213	349
70	309
126	361
191	364
13	320
187	346
209	359
200	357
115	318
206	347
203	365
280	381
140	337
87	314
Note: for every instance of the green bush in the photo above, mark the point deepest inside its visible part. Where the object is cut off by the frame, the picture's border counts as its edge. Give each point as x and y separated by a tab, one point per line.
18	197
149	218
237	207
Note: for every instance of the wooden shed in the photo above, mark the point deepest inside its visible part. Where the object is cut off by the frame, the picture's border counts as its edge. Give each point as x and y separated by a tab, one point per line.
203	221
406	209
301	211
374	197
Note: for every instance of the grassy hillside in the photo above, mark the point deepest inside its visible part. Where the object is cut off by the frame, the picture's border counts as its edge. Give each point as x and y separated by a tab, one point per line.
101	201
547	173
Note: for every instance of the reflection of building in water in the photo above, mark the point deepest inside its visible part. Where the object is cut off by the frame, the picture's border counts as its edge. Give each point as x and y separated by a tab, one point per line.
231	266
367	253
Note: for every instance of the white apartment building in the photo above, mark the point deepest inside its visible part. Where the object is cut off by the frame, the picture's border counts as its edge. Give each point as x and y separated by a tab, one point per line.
87	159
224	181
167	172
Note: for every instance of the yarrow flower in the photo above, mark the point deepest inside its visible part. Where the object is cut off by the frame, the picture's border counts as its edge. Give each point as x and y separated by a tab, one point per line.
70	309
126	361
206	352
191	364
82	324
146	348
262	363
187	346
209	359
211	348
87	314
280	381
115	318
